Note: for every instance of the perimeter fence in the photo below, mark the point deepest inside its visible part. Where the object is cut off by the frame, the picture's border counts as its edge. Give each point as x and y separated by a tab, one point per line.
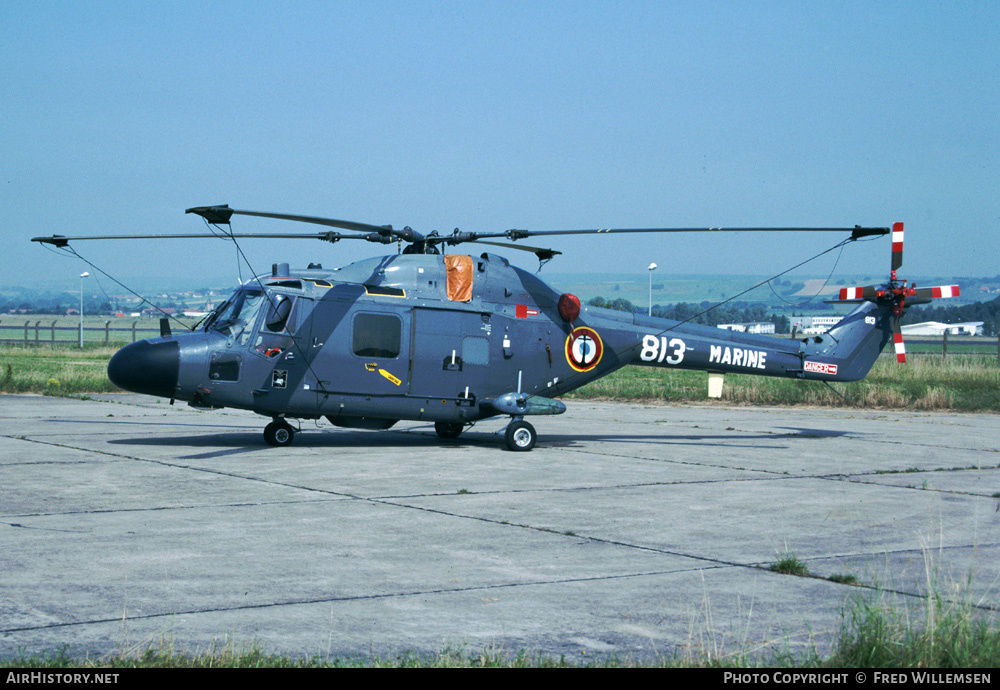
38	331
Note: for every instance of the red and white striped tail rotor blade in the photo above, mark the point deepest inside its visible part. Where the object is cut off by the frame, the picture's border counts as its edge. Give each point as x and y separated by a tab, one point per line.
897	342
897	246
938	292
866	292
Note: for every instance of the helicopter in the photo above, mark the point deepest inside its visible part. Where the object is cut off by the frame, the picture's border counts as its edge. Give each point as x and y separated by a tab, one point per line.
452	339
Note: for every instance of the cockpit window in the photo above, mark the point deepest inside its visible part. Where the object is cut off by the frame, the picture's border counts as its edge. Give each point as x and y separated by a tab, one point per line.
234	318
277	313
282	318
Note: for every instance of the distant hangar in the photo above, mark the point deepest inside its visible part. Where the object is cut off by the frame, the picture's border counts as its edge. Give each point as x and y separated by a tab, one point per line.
937	328
814	325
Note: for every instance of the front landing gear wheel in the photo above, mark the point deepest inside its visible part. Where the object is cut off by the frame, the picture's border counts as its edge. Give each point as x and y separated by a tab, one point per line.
520	436
279	434
449	429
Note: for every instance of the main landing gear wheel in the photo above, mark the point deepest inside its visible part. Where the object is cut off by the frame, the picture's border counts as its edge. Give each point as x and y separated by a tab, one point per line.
520	436
279	434
448	429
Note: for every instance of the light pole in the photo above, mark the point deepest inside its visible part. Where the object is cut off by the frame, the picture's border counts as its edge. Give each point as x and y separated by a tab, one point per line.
652	267
82	276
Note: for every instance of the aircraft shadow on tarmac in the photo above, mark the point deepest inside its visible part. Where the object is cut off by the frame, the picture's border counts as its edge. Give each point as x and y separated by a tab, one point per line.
424	436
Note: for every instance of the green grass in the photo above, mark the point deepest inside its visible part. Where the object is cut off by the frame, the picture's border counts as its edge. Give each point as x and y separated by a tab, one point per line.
790	565
875	633
843	579
954	348
943	635
55	371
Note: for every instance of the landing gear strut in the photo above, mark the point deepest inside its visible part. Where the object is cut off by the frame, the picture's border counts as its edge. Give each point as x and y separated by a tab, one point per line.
520	436
279	433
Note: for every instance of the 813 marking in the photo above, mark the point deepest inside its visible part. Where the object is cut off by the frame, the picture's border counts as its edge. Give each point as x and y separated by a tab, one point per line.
656	348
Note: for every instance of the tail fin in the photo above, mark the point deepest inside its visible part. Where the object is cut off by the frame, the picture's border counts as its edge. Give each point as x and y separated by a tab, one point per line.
848	350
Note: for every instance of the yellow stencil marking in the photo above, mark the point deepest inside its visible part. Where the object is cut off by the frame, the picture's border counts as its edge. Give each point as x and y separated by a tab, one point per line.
389	376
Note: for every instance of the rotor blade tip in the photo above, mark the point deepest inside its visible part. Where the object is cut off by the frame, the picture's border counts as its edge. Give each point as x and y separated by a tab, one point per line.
219	214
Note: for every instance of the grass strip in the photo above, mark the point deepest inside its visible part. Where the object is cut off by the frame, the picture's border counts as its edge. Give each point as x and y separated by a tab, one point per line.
938	634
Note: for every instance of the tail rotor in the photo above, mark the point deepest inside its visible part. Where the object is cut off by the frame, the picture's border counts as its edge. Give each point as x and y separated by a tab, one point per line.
896	295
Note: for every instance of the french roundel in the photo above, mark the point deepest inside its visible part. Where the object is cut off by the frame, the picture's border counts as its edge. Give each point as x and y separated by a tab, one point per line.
584	349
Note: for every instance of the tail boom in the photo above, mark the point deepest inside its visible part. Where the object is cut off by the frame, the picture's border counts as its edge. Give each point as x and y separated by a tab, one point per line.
845	353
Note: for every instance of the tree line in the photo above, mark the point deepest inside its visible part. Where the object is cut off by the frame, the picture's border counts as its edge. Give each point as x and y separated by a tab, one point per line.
54	307
703	313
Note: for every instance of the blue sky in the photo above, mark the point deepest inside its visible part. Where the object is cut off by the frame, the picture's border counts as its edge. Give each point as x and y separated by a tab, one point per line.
116	116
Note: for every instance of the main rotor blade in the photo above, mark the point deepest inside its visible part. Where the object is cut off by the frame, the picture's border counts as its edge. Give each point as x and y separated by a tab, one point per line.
221	214
515	234
542	253
62	241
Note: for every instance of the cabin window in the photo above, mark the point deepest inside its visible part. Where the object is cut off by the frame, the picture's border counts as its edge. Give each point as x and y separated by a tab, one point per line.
377	335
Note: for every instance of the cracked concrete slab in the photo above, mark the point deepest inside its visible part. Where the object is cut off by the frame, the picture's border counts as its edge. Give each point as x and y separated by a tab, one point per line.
631	530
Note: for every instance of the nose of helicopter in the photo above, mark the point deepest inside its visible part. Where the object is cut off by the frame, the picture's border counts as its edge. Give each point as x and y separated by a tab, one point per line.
148	367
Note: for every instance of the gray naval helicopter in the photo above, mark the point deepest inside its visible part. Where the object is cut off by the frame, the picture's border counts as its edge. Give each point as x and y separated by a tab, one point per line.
453	339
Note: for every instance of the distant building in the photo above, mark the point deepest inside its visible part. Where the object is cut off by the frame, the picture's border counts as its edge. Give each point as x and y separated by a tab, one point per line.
936	328
813	325
755	327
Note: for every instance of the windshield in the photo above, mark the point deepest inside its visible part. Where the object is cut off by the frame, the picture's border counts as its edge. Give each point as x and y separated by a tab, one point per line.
238	313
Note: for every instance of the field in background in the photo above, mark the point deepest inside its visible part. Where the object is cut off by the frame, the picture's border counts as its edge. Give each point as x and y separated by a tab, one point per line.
969	383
